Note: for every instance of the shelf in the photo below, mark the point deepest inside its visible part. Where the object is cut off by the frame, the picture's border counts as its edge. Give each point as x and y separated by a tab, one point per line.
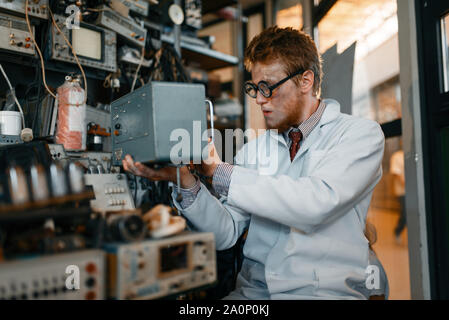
58	207
208	59
27	216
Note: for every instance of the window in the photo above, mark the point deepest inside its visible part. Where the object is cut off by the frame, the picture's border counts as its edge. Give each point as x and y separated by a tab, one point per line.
369	23
290	17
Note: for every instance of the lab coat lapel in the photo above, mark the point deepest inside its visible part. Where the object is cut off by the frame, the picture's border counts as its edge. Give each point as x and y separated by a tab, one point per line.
330	114
278	137
310	140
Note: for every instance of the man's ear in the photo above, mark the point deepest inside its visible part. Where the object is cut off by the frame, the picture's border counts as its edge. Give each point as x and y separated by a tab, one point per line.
306	83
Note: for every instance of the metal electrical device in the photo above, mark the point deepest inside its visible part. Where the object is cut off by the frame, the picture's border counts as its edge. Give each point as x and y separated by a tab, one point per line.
95	47
149	123
111	192
14	35
157	268
36	8
154	34
124	27
140	7
193	14
45	277
7	139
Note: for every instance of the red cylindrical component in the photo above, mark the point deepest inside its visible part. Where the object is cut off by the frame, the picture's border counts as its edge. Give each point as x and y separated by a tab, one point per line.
71	129
91	267
91	295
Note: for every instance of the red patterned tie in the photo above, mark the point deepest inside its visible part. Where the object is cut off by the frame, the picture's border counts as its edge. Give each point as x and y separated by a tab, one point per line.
295	137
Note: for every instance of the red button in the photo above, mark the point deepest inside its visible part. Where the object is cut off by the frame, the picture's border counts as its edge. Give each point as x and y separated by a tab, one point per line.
91	295
91	267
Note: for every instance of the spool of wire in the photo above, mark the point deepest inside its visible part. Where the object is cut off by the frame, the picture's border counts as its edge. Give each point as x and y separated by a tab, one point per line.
126	228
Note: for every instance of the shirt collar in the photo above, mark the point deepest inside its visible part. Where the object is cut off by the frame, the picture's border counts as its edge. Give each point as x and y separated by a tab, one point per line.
308	125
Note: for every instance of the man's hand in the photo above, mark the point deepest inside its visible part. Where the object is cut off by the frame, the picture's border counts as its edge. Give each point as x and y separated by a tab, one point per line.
209	165
165	174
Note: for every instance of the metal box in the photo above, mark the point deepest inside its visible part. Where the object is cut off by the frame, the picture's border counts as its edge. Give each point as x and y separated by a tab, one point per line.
124	27
155	119
61	52
14	35
156	268
45	277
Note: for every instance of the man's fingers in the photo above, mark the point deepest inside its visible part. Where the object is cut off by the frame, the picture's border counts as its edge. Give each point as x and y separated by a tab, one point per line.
139	169
129	165
144	169
125	165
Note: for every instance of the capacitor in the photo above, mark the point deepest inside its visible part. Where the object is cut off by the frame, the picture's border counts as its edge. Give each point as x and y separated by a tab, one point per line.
76	178
58	180
100	169
91	169
18	187
39	186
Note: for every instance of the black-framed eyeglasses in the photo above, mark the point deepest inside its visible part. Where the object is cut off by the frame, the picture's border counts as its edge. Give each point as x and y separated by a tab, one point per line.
265	89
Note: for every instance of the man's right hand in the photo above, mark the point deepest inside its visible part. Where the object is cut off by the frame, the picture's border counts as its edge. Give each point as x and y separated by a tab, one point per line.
209	165
165	174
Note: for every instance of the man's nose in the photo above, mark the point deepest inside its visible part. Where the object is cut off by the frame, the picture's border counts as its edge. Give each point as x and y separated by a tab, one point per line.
260	99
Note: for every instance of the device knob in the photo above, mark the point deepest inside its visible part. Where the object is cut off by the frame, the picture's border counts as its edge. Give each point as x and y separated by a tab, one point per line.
118	126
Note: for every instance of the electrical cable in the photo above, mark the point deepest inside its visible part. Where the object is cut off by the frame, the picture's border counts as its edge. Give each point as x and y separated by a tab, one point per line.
36	114
14	95
37	49
135	191
138	69
73	52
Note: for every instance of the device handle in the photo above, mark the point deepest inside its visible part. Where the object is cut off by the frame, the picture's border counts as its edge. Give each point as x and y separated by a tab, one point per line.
211	111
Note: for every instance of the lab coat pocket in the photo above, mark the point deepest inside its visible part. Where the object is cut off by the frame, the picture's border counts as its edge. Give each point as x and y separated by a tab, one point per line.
340	282
342	271
311	159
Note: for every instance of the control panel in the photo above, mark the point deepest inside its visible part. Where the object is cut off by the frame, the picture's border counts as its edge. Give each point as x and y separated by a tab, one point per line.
36	8
112	192
14	35
57	151
124	27
7	139
95	46
157	268
44	277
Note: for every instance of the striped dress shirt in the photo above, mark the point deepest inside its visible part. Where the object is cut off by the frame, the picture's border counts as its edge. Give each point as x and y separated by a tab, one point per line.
221	179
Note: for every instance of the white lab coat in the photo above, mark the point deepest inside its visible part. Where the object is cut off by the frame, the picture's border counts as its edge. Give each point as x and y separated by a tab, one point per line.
306	218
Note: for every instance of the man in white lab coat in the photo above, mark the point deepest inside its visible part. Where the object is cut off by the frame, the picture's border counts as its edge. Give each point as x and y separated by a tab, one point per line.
302	189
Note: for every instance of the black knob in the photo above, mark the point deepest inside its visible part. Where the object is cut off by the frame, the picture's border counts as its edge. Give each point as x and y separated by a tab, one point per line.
118	126
90	282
